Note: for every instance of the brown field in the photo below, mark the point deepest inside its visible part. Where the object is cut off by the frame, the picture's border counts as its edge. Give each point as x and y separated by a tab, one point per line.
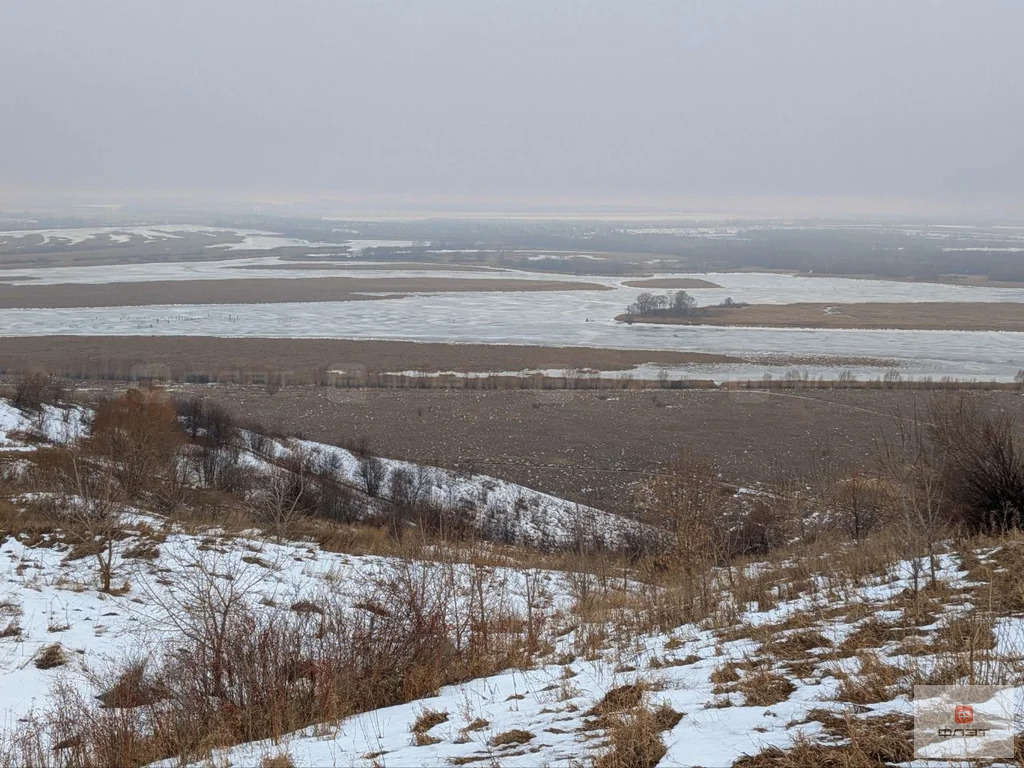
425	266
672	282
259	291
593	447
116	356
932	315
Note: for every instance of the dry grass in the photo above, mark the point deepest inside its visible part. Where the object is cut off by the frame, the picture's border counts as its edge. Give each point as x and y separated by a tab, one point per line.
625	697
930	315
796	645
515	736
727	673
427	719
867	743
870	634
763	688
634	737
280	760
51	656
876	681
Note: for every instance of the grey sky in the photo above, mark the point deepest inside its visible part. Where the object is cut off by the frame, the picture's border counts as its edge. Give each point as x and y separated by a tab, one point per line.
544	98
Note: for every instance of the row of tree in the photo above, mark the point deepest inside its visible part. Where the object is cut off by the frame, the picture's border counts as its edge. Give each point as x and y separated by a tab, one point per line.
672	303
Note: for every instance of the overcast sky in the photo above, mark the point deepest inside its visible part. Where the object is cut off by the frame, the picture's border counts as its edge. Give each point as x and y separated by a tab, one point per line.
550	99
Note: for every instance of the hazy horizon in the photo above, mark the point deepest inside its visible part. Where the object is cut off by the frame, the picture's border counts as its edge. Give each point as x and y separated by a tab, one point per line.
756	108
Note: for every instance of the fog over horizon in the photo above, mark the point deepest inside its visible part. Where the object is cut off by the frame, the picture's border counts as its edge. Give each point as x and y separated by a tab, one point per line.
474	104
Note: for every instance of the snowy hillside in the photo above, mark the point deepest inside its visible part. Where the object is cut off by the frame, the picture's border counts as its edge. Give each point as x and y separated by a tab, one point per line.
769	675
496	509
21	429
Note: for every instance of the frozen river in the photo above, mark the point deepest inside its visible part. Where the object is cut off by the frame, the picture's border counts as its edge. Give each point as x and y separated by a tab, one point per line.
558	318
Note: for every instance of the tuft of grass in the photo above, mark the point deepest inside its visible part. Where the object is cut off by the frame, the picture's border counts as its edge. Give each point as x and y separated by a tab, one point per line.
619	699
666	718
515	736
726	673
763	688
634	740
280	760
876	681
865	743
427	719
51	656
796	645
13	629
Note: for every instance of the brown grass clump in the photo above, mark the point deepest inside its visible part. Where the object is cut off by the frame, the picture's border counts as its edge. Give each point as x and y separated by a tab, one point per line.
478	724
515	736
876	681
657	663
634	741
666	718
763	688
727	673
872	633
867	743
133	689
965	634
427	719
796	645
281	760
13	629
618	700
51	656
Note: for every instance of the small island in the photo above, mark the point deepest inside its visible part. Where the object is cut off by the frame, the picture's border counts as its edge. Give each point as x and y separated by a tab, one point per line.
680	308
672	307
671	282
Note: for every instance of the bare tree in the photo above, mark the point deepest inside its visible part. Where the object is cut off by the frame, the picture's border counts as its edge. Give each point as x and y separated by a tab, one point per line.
372	471
138	436
914	470
209	599
88	500
983	467
279	499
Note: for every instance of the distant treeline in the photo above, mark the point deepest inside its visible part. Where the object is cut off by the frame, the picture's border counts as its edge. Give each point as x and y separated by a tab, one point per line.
273	379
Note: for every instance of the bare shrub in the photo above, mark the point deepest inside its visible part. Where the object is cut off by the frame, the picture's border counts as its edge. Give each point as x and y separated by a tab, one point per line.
372	472
30	391
87	503
982	466
138	436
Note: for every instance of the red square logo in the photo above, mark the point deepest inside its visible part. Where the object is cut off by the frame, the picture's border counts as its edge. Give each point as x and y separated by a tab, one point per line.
963	714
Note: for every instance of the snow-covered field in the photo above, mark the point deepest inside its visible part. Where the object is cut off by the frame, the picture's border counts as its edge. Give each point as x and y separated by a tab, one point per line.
787	648
53	600
242	239
551	702
22	431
